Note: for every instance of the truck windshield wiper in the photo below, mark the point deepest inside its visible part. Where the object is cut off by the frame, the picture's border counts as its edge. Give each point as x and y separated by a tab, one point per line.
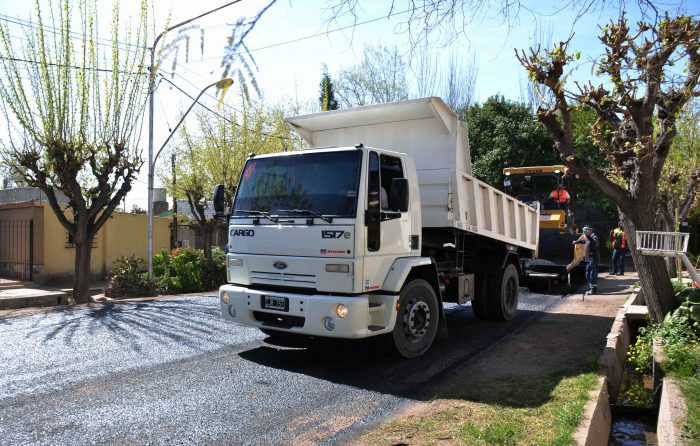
325	218
260	213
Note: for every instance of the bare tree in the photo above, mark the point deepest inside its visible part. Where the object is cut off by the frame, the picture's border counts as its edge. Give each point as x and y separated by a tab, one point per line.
454	82
379	77
460	81
77	106
424	68
645	97
448	20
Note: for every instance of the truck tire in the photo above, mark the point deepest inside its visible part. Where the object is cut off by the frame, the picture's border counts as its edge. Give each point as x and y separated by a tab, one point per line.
417	319
504	288
479	306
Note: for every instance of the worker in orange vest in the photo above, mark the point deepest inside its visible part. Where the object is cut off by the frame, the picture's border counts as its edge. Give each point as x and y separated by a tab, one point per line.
618	240
560	196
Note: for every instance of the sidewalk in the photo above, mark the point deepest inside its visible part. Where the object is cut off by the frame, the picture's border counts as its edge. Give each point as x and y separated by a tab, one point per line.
15	295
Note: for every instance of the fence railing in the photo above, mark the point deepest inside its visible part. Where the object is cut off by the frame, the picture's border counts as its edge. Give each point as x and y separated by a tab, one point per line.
662	243
16	250
667	244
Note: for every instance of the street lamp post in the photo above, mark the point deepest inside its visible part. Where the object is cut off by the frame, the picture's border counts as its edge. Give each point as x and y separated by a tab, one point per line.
221	84
151	101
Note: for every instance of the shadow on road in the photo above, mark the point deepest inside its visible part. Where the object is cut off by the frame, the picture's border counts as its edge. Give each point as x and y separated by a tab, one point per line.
131	323
562	344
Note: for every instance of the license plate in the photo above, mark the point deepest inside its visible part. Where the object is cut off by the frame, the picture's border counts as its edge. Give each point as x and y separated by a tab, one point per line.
275	303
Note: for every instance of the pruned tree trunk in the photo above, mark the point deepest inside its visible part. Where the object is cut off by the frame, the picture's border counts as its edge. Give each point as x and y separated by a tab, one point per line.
83	255
651	269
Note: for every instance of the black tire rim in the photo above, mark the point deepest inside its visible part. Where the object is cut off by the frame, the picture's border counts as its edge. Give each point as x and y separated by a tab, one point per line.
416	320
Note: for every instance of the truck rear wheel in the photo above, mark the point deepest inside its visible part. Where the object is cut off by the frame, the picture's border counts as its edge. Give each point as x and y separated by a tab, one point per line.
417	319
503	302
479	306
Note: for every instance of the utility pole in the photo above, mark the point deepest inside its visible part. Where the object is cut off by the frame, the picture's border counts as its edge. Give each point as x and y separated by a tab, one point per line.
174	206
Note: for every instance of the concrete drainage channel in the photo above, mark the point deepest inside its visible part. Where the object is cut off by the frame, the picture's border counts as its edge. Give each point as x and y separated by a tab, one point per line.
652	417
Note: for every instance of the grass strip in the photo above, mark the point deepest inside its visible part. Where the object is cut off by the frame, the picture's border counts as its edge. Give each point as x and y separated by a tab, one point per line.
515	410
690	387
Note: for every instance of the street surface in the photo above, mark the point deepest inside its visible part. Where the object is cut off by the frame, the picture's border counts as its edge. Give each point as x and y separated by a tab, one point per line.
173	372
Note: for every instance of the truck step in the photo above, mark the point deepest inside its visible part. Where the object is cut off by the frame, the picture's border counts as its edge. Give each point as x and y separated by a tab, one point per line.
375	306
375	328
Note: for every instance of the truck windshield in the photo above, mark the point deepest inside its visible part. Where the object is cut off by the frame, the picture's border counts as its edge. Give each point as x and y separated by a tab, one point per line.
326	183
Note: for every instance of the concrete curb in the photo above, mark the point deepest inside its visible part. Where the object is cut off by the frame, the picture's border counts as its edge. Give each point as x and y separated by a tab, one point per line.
38	299
595	429
672	412
597	422
20	312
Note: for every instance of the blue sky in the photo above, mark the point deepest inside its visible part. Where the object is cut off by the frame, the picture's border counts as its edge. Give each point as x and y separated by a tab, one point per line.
290	64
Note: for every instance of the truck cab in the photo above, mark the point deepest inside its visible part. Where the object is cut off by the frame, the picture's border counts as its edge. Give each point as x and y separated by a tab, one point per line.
314	236
349	240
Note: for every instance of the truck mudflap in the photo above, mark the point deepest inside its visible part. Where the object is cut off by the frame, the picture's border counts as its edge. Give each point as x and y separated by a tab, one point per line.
348	317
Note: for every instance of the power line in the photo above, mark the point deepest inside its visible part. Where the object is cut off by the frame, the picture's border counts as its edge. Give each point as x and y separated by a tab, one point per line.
75	35
311	36
283	138
102	70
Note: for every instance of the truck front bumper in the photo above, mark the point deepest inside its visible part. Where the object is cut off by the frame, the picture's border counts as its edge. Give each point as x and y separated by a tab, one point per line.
310	314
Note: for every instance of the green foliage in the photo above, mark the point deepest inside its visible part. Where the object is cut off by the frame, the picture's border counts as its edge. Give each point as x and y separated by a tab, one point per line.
505	134
128	280
186	270
327	94
502	134
680	343
678	285
690	386
215	152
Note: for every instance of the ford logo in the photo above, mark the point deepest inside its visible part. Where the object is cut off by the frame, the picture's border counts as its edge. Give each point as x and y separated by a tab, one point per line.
280	265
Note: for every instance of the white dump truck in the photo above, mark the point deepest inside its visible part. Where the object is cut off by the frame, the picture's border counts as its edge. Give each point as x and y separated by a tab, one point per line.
371	230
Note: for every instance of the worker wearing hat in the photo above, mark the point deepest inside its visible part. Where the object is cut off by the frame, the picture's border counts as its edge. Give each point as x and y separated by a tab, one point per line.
619	247
592	258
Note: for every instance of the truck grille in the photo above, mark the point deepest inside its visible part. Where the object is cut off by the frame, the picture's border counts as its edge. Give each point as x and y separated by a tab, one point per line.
301	280
278	320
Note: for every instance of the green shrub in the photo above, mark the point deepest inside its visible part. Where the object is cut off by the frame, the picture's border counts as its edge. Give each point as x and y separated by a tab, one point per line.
216	271
186	270
680	345
127	279
678	285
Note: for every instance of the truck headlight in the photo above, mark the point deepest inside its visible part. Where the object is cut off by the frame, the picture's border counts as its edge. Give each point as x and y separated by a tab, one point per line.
341	310
337	268
224	297
234	262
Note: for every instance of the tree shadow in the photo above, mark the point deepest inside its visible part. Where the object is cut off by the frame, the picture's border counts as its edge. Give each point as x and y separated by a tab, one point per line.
130	323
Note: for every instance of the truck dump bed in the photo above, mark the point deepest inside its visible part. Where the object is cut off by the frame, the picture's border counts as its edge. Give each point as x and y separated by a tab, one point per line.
432	134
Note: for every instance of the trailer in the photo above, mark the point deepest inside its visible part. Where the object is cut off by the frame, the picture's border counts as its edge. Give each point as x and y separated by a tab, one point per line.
371	229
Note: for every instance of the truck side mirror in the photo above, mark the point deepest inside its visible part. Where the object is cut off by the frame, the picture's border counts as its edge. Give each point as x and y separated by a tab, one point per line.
218	197
398	195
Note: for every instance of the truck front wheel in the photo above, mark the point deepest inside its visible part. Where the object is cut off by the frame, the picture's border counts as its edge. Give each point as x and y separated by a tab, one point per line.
417	319
503	303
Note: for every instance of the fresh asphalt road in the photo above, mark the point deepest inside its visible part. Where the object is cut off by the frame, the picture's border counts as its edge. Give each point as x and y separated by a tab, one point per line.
173	372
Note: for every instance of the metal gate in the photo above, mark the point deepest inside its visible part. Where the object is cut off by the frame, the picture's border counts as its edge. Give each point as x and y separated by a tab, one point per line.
16	250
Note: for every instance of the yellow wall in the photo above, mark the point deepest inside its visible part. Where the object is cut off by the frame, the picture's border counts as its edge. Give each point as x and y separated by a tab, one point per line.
126	234
122	235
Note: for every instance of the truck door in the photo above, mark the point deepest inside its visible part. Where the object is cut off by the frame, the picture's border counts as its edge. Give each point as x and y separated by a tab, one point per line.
387	231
